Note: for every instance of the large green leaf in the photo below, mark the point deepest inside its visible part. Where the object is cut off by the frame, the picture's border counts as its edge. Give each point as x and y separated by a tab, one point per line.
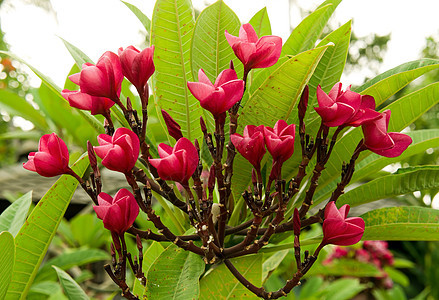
222	285
7	258
69	259
402	224
174	275
404	111
261	23
37	232
210	49
70	286
422	140
309	30
388	83
14	216
172	27
79	56
16	105
151	254
146	22
345	267
275	99
414	179
51	85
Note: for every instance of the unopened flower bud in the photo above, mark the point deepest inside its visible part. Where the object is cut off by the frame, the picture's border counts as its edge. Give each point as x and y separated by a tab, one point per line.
203	125
174	128
91	156
254	177
211	181
231	65
303	103
296	222
139	242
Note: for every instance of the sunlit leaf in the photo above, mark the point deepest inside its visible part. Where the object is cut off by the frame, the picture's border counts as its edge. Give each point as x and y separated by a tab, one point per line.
37	232
7	258
146	22
222	285
174	275
402	224
14	216
261	23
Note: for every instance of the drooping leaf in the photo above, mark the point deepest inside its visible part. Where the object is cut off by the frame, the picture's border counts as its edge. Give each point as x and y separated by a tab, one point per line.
414	179
261	23
402	224
18	106
174	275
151	254
222	285
171	32
70	286
275	99
14	216
272	263
79	56
422	140
66	260
146	22
37	232
7	259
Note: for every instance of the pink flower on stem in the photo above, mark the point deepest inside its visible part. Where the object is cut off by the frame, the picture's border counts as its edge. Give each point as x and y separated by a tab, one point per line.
96	105
378	140
252	51
251	145
119	213
220	96
52	158
137	66
101	80
178	163
174	128
120	151
340	230
280	144
344	107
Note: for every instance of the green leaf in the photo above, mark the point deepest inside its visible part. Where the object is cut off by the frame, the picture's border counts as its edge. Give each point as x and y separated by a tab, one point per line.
149	256
67	260
37	232
343	289
71	288
174	275
261	23
222	285
7	258
404	111
172	26
402	224
313	284
210	49
18	106
79	56
146	22
309	30
51	85
345	267
422	140
46	287
417	179
88	230
14	216
388	83
21	135
275	99
397	276
272	263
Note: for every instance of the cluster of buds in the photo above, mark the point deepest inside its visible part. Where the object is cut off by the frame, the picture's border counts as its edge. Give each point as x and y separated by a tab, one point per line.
119	149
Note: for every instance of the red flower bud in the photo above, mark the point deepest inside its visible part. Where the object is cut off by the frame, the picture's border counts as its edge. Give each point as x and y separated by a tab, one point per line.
219	97
118	213
339	230
52	158
178	163
174	128
101	80
378	140
296	222
137	66
251	145
96	105
120	151
252	51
